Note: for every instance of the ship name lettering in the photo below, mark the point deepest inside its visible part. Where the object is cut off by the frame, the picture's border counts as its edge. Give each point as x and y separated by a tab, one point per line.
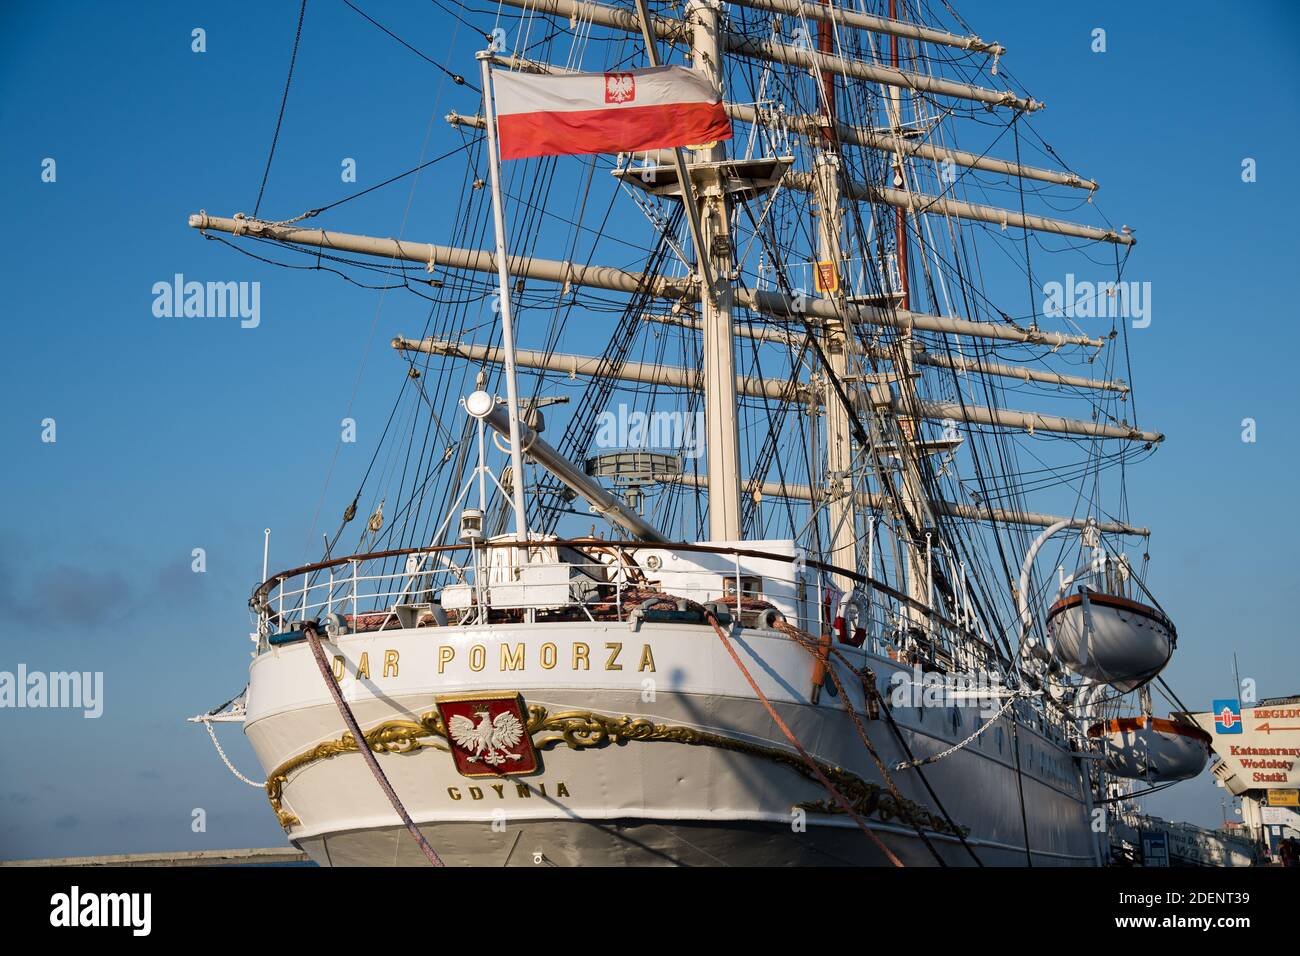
520	791
515	657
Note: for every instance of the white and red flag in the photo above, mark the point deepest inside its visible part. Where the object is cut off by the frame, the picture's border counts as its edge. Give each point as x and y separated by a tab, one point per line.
574	113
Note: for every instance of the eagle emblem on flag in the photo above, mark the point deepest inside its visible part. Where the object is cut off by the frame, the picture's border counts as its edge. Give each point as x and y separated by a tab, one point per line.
620	87
487	734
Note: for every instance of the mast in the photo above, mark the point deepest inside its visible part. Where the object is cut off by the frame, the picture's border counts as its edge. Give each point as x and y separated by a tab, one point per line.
834	316
900	180
914	518
713	258
503	277
836	334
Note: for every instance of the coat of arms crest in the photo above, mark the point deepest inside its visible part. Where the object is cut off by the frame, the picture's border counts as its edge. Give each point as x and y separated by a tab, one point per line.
488	734
620	87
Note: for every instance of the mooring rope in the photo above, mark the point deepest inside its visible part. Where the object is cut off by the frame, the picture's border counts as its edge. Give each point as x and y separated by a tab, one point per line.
364	746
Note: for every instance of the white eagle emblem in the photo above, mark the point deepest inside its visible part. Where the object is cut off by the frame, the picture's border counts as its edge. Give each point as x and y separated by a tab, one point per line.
619	87
490	740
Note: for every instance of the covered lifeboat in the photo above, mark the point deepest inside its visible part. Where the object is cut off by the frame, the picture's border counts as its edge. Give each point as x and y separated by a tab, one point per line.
1152	749
1110	639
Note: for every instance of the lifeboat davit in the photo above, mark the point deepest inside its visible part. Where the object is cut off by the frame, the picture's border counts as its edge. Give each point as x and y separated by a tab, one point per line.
1110	639
1153	749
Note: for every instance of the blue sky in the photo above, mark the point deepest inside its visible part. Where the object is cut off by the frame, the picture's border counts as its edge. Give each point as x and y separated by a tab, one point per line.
181	434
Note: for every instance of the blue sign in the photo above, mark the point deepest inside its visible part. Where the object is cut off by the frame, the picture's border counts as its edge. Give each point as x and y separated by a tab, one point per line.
1155	848
1227	716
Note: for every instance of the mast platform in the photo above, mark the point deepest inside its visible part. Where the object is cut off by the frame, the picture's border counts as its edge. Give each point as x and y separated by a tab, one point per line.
738	178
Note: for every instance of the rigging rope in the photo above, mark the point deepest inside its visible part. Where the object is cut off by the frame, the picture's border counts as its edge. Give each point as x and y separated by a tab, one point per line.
293	57
794	741
455	77
806	641
902	742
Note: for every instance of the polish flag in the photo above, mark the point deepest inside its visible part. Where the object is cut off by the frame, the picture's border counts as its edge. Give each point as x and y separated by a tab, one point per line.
574	113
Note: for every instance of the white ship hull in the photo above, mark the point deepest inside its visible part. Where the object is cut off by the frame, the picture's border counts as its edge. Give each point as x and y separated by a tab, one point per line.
708	780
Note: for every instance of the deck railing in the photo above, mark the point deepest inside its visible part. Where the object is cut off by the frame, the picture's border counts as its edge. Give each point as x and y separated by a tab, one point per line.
401	588
391	588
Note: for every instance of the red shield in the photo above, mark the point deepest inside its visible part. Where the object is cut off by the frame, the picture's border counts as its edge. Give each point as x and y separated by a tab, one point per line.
620	87
488	734
828	278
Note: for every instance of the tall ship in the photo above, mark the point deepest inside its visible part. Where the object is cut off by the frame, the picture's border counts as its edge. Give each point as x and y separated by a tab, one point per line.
755	493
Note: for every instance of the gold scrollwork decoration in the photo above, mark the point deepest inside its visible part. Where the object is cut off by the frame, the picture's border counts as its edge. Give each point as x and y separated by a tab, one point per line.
585	729
390	737
580	729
